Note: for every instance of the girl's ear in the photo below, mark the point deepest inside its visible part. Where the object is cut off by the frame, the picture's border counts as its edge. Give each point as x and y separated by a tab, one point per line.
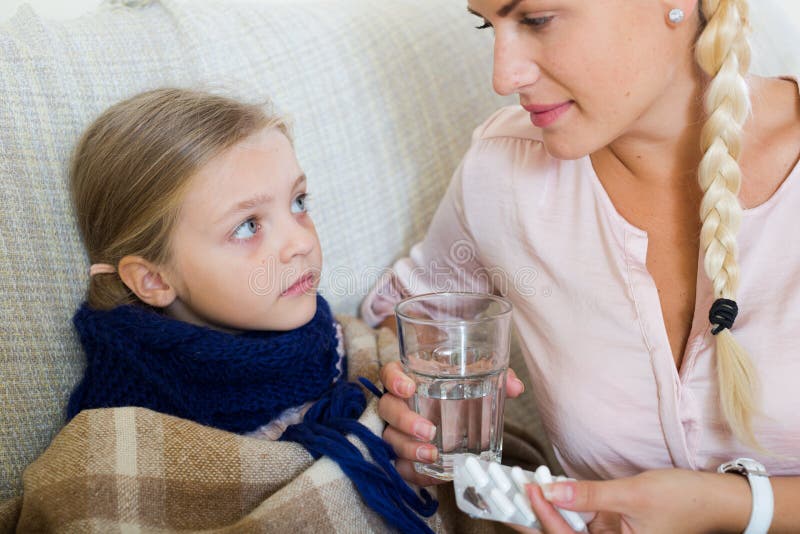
146	281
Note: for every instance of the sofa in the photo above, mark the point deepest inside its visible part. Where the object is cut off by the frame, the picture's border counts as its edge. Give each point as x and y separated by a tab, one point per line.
382	97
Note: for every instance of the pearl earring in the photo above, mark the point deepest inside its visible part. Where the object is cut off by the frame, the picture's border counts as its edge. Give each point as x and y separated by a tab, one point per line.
676	15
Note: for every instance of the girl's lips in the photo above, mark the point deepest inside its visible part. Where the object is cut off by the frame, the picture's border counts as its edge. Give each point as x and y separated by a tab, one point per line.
544	116
300	287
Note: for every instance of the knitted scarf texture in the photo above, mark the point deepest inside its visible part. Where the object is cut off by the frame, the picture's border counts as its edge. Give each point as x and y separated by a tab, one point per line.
239	382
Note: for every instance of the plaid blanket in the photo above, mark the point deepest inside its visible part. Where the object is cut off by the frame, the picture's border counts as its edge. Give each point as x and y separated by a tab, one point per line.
135	470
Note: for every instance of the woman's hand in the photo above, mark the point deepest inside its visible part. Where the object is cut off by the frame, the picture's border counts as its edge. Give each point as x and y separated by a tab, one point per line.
409	433
669	500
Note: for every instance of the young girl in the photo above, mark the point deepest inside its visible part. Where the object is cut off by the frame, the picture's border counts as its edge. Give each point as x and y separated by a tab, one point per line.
202	300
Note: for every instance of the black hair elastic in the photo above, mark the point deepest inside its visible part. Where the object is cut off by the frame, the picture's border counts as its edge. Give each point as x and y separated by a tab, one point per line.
723	314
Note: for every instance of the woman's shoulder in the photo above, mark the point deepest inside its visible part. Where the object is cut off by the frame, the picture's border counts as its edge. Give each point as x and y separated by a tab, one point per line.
508	144
510	122
508	158
508	172
771	138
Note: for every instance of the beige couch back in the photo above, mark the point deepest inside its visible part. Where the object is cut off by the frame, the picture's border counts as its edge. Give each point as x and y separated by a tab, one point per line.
383	95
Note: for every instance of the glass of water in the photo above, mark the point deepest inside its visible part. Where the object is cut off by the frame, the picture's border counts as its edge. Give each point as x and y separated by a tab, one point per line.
455	346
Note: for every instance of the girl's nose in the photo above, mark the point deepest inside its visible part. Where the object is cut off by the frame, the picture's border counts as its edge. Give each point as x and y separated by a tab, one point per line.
300	240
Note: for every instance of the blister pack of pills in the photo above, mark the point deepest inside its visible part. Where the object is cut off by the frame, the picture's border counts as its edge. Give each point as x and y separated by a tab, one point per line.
489	490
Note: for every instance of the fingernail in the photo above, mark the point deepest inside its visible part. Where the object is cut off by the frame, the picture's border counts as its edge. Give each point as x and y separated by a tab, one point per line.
521	385
427	454
424	430
404	387
559	492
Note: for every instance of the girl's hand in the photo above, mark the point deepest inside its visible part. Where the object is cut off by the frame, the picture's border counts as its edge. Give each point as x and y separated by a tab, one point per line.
409	433
669	500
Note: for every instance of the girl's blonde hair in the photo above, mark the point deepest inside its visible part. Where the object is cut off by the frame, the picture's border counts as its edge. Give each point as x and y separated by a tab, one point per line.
131	168
723	52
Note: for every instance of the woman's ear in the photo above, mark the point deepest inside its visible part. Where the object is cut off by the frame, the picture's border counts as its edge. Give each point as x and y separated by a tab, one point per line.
146	281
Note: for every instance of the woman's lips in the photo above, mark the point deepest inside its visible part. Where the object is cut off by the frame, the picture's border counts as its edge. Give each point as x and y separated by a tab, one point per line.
544	115
301	286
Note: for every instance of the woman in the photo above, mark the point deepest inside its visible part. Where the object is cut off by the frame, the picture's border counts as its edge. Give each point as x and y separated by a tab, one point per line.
659	323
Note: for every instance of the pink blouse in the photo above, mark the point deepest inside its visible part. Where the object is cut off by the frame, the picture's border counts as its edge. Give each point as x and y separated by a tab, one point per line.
544	233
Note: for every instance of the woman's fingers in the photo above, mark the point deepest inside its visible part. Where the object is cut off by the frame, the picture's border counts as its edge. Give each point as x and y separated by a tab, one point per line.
514	386
396	381
549	518
409	448
400	384
409	474
397	414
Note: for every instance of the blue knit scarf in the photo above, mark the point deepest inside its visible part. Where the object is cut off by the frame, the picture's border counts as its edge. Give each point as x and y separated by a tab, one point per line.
240	382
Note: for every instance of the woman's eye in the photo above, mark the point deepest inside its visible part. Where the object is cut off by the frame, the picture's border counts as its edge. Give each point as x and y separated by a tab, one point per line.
300	203
486	24
246	230
537	22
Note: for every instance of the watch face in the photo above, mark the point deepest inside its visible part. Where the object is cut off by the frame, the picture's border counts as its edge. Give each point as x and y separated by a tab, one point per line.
738	469
753	467
743	466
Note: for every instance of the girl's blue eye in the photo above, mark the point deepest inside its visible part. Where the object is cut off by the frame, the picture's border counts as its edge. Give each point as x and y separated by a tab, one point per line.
300	203
246	230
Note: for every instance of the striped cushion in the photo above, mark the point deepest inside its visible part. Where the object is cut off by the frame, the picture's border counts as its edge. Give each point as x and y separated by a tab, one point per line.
383	96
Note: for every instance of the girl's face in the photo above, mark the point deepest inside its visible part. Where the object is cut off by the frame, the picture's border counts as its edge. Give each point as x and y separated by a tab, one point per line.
590	71
245	253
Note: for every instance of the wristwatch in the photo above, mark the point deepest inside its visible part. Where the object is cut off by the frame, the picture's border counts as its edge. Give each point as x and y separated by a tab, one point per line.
760	487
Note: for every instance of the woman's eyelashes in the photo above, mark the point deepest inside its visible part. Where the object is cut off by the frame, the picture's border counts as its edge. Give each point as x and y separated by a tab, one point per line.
536	23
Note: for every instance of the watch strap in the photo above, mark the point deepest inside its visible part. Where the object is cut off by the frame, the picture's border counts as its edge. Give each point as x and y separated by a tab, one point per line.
761	490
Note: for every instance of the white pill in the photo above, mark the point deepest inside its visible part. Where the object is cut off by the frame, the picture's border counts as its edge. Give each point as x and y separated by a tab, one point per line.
476	471
573	518
499	477
503	504
524	506
543	475
520	479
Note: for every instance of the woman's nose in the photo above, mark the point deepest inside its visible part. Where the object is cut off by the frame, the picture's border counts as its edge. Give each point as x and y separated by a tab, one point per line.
513	65
301	238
